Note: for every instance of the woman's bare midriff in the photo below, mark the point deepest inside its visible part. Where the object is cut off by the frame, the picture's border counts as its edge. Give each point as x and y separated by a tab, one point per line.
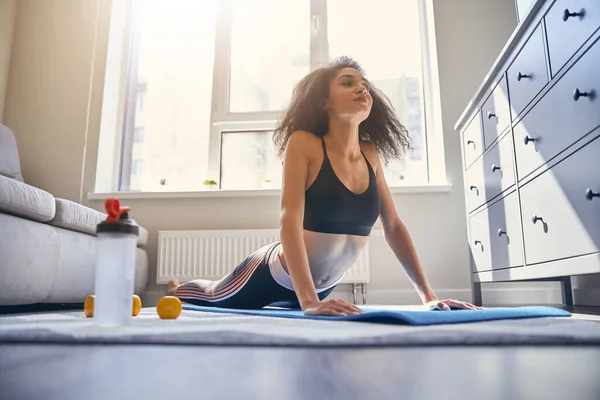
329	255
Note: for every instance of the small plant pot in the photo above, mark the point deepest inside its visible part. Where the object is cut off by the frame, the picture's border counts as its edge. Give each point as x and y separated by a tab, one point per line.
209	184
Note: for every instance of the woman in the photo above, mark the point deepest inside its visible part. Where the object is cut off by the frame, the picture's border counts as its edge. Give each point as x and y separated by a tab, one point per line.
331	139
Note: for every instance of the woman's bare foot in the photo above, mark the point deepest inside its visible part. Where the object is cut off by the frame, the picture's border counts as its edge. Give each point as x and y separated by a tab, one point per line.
172	287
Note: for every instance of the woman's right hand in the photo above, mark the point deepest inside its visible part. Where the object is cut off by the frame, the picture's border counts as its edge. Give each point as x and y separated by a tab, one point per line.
339	308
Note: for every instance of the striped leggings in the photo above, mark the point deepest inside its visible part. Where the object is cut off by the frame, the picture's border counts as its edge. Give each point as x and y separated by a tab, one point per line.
249	286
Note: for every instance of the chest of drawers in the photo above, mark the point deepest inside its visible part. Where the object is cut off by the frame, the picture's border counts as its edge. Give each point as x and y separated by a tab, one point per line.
531	151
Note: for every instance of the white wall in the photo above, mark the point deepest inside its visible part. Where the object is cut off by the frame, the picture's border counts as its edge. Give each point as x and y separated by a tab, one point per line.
7	22
47	105
48	90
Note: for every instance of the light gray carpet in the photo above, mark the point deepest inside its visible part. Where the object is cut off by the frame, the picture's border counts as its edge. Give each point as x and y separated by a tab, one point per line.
196	328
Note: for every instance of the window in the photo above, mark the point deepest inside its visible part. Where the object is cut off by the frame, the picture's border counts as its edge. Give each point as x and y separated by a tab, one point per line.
136	166
140	96
270	44
248	161
138	135
171	76
207	80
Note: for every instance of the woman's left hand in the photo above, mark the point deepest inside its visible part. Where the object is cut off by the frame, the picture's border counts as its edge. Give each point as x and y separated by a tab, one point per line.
450	304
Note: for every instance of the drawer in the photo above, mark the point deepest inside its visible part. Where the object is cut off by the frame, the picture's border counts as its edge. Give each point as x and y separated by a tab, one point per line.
472	140
561	208
528	74
495	113
506	239
565	37
479	241
475	186
498	167
560	118
495	238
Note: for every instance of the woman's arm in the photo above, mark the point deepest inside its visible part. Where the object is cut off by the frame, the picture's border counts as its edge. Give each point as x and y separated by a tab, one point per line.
295	171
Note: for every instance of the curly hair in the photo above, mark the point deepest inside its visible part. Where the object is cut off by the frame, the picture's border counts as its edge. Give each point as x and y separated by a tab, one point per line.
382	128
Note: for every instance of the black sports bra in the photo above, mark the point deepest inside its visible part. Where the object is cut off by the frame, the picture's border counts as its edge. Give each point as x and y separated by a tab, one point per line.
331	207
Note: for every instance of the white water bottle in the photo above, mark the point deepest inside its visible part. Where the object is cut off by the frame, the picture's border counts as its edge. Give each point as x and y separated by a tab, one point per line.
115	266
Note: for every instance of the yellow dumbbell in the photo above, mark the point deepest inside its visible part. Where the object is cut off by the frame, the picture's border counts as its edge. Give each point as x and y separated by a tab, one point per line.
169	307
88	306
137	305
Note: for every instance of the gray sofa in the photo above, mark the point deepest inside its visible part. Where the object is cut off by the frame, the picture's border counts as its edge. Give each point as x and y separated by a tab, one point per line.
47	244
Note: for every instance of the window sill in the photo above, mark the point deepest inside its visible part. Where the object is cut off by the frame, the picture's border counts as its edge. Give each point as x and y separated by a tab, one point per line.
408	189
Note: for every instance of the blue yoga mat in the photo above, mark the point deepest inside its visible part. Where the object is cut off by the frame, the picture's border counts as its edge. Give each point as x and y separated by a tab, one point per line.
402	317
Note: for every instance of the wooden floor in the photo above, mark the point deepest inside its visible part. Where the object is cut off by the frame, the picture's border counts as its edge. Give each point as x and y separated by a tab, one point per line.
177	372
169	372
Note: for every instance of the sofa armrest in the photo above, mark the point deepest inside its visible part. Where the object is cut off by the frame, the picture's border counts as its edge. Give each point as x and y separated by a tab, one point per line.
76	217
25	201
10	164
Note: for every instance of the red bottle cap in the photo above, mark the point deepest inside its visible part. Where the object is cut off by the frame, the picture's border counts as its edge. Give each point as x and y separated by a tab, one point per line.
118	220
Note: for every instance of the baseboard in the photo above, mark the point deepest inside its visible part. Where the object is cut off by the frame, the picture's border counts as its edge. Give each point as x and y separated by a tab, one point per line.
491	296
521	296
400	297
151	297
586	297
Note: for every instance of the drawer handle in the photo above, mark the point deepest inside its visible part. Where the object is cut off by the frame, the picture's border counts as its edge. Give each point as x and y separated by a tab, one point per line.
470	142
567	14
589	194
491	115
529	139
477	242
535	219
522	76
577	94
495	167
501	232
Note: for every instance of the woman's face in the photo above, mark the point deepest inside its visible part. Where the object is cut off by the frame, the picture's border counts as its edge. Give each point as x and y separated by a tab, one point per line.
349	96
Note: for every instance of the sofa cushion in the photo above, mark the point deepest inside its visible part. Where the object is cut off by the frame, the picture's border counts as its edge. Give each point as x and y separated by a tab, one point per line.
25	201
10	164
79	218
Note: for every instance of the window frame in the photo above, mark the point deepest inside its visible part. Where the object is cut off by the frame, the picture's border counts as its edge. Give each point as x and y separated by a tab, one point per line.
130	108
223	121
432	139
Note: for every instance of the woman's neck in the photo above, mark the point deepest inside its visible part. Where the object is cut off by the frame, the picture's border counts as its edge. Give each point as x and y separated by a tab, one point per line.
343	139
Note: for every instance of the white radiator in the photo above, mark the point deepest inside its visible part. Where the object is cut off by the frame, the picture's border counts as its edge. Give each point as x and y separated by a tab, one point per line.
211	254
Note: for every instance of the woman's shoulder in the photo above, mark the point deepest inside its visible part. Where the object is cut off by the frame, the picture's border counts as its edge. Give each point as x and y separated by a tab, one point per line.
302	135
367	146
370	151
301	140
